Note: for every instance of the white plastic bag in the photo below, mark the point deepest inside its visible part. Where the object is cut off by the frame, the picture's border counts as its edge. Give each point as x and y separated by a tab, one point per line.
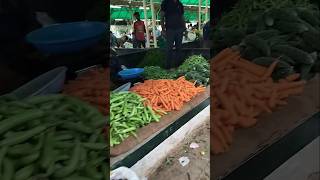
124	173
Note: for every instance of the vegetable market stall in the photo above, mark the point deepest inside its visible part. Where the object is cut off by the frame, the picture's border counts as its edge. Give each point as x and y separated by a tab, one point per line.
173	98
274	64
51	135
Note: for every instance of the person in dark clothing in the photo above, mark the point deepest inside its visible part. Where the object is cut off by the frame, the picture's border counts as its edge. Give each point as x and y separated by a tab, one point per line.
206	31
173	26
218	7
138	32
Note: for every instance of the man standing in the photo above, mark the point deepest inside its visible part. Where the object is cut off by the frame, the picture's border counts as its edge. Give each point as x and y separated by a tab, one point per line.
138	32
173	26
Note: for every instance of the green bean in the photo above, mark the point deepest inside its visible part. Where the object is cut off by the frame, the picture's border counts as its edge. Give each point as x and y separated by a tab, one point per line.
80	127
25	172
23	137
48	150
8	169
95	146
77	178
29	159
20	149
3	152
93	173
83	158
19	119
72	165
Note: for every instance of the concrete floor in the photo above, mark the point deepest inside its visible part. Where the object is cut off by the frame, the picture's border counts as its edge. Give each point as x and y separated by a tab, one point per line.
302	166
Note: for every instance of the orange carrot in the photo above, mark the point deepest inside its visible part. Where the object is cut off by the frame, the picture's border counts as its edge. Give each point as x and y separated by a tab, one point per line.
293	77
270	70
240	92
167	95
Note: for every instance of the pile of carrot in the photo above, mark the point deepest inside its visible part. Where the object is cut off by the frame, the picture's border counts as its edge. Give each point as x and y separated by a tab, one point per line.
91	86
240	92
166	94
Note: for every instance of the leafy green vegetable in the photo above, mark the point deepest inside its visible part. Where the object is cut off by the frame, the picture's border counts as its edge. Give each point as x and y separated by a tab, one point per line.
156	72
155	57
195	68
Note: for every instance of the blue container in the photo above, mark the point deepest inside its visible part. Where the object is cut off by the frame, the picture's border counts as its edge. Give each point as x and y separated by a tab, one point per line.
131	73
67	37
50	82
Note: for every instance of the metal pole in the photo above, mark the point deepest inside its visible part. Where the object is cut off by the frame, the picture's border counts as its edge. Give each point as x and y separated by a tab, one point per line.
199	15
153	24
146	23
207	12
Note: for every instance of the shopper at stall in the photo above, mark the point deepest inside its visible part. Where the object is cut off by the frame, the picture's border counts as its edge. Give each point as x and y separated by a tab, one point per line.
173	26
139	31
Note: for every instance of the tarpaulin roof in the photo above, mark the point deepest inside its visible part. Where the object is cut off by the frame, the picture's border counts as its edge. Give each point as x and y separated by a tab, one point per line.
184	2
123	12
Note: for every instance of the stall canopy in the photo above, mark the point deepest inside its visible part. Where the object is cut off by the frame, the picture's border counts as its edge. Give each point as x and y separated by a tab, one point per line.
123	10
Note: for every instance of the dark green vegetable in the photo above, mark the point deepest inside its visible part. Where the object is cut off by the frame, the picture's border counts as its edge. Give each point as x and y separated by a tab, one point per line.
80	127
156	72
24	172
30	149
267	34
23	137
312	39
19	119
309	16
8	169
71	167
250	53
296	54
257	42
130	115
95	146
29	159
20	149
3	152
285	14
48	150
290	27
305	71
154	57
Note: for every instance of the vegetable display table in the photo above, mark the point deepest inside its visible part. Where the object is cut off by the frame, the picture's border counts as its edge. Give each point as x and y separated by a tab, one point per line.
133	149
273	140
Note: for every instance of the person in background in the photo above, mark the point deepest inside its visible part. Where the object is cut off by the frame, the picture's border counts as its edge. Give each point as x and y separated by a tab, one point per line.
206	31
121	41
173	26
139	31
113	40
157	32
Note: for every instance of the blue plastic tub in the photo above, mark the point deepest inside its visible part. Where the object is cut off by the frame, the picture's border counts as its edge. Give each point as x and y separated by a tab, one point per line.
131	73
50	82
67	37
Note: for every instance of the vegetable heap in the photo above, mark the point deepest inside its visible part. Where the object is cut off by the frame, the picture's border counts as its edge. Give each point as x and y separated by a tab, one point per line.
128	113
167	95
245	10
154	57
156	72
195	68
287	33
92	87
242	91
51	137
